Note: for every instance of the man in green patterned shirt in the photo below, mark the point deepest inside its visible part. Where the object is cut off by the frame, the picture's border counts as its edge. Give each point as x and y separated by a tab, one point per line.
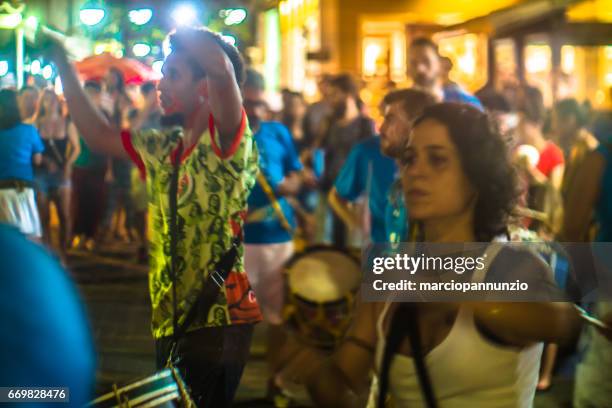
217	168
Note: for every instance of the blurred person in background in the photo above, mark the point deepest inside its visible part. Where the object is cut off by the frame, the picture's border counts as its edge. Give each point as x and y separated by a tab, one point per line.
20	149
293	114
147	118
588	206
446	66
601	125
118	175
119	205
370	169
499	107
270	222
88	182
53	176
46	339
293	117
544	176
345	128
425	69
544	180
28	102
569	122
316	113
121	104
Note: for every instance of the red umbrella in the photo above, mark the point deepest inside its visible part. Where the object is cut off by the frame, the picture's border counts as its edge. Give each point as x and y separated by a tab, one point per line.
134	72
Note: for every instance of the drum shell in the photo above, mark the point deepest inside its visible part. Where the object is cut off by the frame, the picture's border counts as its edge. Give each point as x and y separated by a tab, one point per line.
159	390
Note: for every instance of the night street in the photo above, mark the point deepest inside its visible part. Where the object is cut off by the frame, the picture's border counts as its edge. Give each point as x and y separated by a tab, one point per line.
306	203
114	288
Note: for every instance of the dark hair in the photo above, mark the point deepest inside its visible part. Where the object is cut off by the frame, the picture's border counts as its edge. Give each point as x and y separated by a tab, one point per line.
424	42
571	107
232	52
254	79
325	78
485	161
413	101
532	105
40	112
295	94
147	87
9	110
286	118
27	88
495	101
345	83
93	85
120	80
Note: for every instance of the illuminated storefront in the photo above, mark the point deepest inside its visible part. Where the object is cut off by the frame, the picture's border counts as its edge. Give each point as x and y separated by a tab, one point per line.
564	48
468	53
300	30
365	38
587	69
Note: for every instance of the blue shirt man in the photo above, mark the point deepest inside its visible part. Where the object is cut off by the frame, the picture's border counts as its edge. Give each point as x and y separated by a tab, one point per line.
17	146
454	93
277	158
368	171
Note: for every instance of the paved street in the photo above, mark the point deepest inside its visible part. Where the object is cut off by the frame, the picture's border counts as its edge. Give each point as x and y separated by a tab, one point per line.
114	289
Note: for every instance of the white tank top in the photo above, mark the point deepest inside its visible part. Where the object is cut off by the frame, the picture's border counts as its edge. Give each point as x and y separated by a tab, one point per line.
466	369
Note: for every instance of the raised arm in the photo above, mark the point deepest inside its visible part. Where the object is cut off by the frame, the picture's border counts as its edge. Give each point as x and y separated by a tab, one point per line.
99	135
522	324
224	97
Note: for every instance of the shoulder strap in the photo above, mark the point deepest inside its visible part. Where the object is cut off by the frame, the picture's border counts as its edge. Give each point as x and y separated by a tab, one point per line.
172	203
216	278
405	323
414	335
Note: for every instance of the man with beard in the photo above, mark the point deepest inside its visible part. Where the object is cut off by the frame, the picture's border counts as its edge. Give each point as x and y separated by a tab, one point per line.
200	92
270	222
371	169
427	73
347	127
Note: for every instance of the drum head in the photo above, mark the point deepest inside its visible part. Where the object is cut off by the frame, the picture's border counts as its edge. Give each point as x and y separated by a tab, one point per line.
323	275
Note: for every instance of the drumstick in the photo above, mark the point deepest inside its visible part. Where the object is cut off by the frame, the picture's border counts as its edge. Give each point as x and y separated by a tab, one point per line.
592	320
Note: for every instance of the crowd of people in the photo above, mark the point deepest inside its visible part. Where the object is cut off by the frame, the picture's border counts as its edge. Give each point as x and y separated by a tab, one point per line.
95	197
443	166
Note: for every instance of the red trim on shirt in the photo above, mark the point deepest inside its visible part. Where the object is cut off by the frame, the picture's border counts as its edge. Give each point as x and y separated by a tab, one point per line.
126	140
235	143
185	154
